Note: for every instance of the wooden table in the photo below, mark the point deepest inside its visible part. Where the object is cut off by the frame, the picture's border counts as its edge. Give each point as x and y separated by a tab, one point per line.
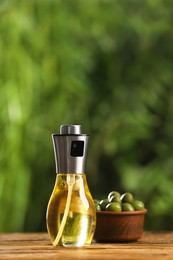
37	246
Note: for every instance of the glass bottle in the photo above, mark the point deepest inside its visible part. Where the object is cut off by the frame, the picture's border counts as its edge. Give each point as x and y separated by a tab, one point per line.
71	215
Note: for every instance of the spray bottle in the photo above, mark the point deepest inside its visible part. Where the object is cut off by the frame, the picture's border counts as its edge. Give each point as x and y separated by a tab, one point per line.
71	215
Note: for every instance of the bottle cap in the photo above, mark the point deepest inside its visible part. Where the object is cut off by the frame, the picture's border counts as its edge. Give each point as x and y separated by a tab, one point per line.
70	129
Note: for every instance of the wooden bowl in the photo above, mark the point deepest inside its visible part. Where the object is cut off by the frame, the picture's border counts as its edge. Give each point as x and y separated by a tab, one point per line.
119	226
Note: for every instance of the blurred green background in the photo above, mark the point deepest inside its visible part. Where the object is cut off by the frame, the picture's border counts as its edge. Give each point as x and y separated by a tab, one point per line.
107	65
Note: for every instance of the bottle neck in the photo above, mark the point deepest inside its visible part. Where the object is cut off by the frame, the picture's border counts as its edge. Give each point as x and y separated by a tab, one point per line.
70	153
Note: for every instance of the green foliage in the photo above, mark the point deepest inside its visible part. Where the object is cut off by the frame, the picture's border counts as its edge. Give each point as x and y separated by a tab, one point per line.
106	65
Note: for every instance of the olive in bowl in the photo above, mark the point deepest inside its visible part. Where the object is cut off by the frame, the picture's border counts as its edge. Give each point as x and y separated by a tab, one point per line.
120	221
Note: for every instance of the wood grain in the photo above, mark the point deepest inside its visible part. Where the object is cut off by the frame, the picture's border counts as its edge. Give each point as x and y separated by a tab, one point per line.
37	246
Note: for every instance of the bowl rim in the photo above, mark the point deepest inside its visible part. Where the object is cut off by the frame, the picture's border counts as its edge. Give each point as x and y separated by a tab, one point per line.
123	213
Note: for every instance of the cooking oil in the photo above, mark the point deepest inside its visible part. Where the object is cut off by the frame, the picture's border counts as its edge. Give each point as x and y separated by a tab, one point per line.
71	216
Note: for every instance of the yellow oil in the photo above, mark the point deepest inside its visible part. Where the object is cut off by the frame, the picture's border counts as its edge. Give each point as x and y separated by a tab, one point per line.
80	222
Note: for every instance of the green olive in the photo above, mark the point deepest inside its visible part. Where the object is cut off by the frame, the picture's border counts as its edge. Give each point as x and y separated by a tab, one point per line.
96	201
127	207
138	205
113	193
97	205
113	206
115	198
103	204
127	197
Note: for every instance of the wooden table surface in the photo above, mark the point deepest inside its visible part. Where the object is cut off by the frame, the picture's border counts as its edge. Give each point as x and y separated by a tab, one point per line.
37	246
